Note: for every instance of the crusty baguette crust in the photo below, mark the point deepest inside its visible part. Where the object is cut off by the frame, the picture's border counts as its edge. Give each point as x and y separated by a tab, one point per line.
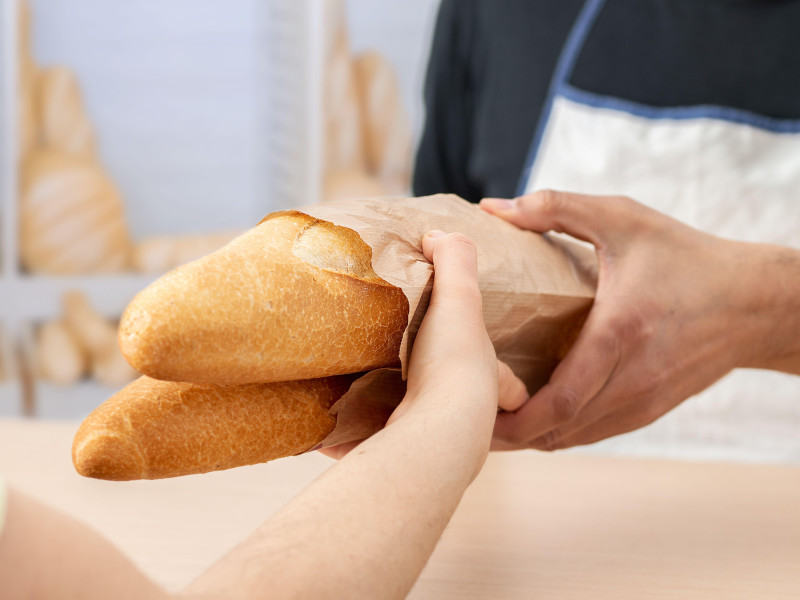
293	298
154	429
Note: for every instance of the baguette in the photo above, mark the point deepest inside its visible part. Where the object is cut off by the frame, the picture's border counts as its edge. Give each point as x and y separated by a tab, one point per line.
384	122
154	429
59	357
294	298
65	126
72	218
161	253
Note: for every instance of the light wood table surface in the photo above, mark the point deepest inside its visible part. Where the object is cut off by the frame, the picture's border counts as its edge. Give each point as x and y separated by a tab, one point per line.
558	526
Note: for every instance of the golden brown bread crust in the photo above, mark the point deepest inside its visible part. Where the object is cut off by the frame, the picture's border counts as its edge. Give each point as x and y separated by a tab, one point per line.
293	298
154	429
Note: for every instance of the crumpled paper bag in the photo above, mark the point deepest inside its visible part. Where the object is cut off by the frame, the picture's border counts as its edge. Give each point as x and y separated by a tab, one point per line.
536	290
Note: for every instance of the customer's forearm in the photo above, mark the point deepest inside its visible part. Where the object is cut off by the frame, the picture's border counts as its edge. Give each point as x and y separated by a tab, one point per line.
366	528
47	554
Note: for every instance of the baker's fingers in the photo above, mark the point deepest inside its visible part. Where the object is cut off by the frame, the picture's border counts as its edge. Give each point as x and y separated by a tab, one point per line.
590	218
512	393
609	426
580	376
455	280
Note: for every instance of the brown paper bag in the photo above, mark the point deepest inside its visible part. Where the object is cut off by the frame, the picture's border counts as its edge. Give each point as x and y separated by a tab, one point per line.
537	291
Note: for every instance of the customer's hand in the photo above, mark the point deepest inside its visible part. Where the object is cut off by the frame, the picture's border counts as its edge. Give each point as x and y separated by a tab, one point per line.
453	363
676	309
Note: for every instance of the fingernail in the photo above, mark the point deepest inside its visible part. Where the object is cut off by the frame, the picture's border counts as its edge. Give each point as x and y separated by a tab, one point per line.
436	234
499	203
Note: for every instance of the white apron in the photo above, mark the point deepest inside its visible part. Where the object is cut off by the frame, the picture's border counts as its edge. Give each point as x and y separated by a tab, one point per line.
725	171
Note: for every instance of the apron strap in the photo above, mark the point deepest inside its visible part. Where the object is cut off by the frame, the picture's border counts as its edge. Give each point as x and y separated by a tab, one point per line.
563	71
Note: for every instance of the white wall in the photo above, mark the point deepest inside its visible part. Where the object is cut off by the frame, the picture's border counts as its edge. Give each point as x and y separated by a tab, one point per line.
169	86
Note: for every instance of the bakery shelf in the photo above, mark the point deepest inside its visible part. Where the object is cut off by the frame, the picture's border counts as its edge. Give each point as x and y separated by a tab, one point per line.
205	124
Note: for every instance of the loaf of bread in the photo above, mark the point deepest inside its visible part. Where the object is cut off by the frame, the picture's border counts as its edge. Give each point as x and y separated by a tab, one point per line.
97	338
59	357
293	298
26	77
384	122
64	123
27	123
71	217
344	144
346	185
154	429
161	253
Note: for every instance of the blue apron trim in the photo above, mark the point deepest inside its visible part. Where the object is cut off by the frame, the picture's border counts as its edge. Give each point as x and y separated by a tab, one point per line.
566	62
700	111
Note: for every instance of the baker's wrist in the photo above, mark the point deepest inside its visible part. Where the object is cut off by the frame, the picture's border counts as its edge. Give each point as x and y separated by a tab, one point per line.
774	290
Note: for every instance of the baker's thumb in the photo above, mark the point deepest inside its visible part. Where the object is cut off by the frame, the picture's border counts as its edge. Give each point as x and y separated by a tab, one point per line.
589	218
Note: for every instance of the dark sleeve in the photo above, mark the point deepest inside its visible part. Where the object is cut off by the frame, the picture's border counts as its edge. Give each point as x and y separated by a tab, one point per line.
444	150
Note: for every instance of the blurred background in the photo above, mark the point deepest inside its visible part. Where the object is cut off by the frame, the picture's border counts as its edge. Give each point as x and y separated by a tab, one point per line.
137	136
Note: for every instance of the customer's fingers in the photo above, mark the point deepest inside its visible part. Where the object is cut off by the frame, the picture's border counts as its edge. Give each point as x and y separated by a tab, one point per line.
512	393
455	282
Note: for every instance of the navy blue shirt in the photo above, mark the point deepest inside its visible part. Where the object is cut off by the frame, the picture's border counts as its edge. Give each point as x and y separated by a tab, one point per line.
492	61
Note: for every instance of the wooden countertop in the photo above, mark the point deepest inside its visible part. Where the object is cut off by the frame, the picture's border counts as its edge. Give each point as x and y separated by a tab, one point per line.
561	526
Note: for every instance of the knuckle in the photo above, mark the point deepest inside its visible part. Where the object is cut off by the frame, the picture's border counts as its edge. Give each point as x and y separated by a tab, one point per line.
514	436
461	239
549	202
565	405
630	327
460	243
547	442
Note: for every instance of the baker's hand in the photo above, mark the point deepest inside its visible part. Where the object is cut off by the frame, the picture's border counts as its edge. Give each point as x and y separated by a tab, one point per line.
676	309
453	364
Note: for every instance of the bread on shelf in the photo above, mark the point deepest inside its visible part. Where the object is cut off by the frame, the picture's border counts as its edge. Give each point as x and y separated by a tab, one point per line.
97	337
343	137
59	358
159	254
345	185
71	217
63	122
384	122
28	126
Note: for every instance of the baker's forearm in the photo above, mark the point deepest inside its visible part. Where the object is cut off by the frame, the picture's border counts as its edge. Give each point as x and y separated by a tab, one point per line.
776	285
366	528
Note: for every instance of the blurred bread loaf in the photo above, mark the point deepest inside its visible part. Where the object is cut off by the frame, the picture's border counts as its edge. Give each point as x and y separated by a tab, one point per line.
293	298
97	337
153	429
384	122
28	127
344	185
59	357
161	253
71	217
64	124
344	145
